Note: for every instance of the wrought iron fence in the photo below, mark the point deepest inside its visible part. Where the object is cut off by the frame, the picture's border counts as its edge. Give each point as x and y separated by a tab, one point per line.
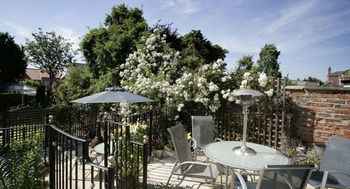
70	165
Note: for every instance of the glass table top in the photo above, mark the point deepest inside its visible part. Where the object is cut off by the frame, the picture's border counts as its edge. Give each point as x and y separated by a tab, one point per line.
221	152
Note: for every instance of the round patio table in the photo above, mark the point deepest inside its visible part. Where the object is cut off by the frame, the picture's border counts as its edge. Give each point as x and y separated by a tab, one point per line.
221	152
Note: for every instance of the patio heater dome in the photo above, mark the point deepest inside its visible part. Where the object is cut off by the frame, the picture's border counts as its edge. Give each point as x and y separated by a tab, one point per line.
245	97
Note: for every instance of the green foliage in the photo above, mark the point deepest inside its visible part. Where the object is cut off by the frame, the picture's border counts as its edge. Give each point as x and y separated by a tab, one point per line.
24	164
127	159
268	61
311	158
31	83
313	79
50	52
13	62
196	50
76	84
107	47
245	64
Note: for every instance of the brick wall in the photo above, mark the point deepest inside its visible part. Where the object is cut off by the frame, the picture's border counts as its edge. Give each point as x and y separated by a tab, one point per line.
321	113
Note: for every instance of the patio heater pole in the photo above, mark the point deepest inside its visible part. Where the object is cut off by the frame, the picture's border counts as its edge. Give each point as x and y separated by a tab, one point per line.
245	125
246	97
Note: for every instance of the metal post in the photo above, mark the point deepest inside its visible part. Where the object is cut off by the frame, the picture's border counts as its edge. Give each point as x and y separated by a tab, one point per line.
244	149
51	159
144	166
150	134
245	125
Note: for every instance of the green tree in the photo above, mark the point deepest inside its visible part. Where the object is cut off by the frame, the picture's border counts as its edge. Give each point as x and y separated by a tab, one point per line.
197	50
268	61
13	61
51	52
245	63
107	47
76	84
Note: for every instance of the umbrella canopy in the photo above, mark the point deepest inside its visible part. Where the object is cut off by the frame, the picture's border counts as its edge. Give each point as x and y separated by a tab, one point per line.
17	88
112	95
247	92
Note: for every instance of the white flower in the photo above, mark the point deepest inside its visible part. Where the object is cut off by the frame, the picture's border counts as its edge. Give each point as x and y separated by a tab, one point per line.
244	84
213	87
262	79
246	75
231	98
179	107
269	92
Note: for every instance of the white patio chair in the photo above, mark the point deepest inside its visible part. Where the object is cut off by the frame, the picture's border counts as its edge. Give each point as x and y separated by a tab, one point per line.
186	166
278	177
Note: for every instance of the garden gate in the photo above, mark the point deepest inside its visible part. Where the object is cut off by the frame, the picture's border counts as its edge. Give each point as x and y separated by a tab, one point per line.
72	167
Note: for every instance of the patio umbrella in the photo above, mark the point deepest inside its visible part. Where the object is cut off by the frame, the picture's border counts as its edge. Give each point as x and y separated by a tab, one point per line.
112	95
17	88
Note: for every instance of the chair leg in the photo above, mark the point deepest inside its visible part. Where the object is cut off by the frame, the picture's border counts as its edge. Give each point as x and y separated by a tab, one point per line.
171	173
167	183
324	180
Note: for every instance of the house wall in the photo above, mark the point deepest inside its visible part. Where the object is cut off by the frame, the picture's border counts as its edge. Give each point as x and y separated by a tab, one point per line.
321	112
334	80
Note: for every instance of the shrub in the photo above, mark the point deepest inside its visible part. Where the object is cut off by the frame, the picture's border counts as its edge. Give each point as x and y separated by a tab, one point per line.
23	164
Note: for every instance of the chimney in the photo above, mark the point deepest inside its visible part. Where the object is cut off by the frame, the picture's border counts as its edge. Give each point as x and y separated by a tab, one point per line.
329	70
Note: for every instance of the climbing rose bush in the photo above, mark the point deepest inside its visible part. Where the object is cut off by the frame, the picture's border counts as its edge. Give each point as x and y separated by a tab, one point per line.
154	70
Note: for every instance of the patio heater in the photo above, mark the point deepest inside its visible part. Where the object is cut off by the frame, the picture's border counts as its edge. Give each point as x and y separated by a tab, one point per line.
245	97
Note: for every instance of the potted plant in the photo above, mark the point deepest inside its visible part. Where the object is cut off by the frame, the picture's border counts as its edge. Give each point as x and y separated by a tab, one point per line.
158	150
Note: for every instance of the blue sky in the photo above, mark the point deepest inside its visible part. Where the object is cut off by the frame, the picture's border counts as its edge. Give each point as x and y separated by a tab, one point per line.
311	34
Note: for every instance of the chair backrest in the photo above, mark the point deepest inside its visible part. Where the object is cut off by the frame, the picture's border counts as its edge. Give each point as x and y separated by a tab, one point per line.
284	177
336	157
203	130
182	147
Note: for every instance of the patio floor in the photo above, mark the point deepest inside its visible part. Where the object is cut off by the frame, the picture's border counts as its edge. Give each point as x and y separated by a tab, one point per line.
159	171
158	174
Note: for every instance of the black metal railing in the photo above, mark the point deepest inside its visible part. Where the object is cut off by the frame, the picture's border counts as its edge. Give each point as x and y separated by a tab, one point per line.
130	158
123	165
70	164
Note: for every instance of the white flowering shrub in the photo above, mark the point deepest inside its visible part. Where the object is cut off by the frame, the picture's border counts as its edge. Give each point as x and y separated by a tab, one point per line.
154	70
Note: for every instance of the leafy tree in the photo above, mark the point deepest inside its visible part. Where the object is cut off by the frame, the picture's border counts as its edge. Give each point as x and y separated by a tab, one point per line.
107	47
76	84
197	50
268	61
51	52
13	61
172	38
245	63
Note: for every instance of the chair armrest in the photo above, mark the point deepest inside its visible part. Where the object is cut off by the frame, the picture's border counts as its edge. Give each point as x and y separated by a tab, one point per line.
191	163
337	171
195	163
241	180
